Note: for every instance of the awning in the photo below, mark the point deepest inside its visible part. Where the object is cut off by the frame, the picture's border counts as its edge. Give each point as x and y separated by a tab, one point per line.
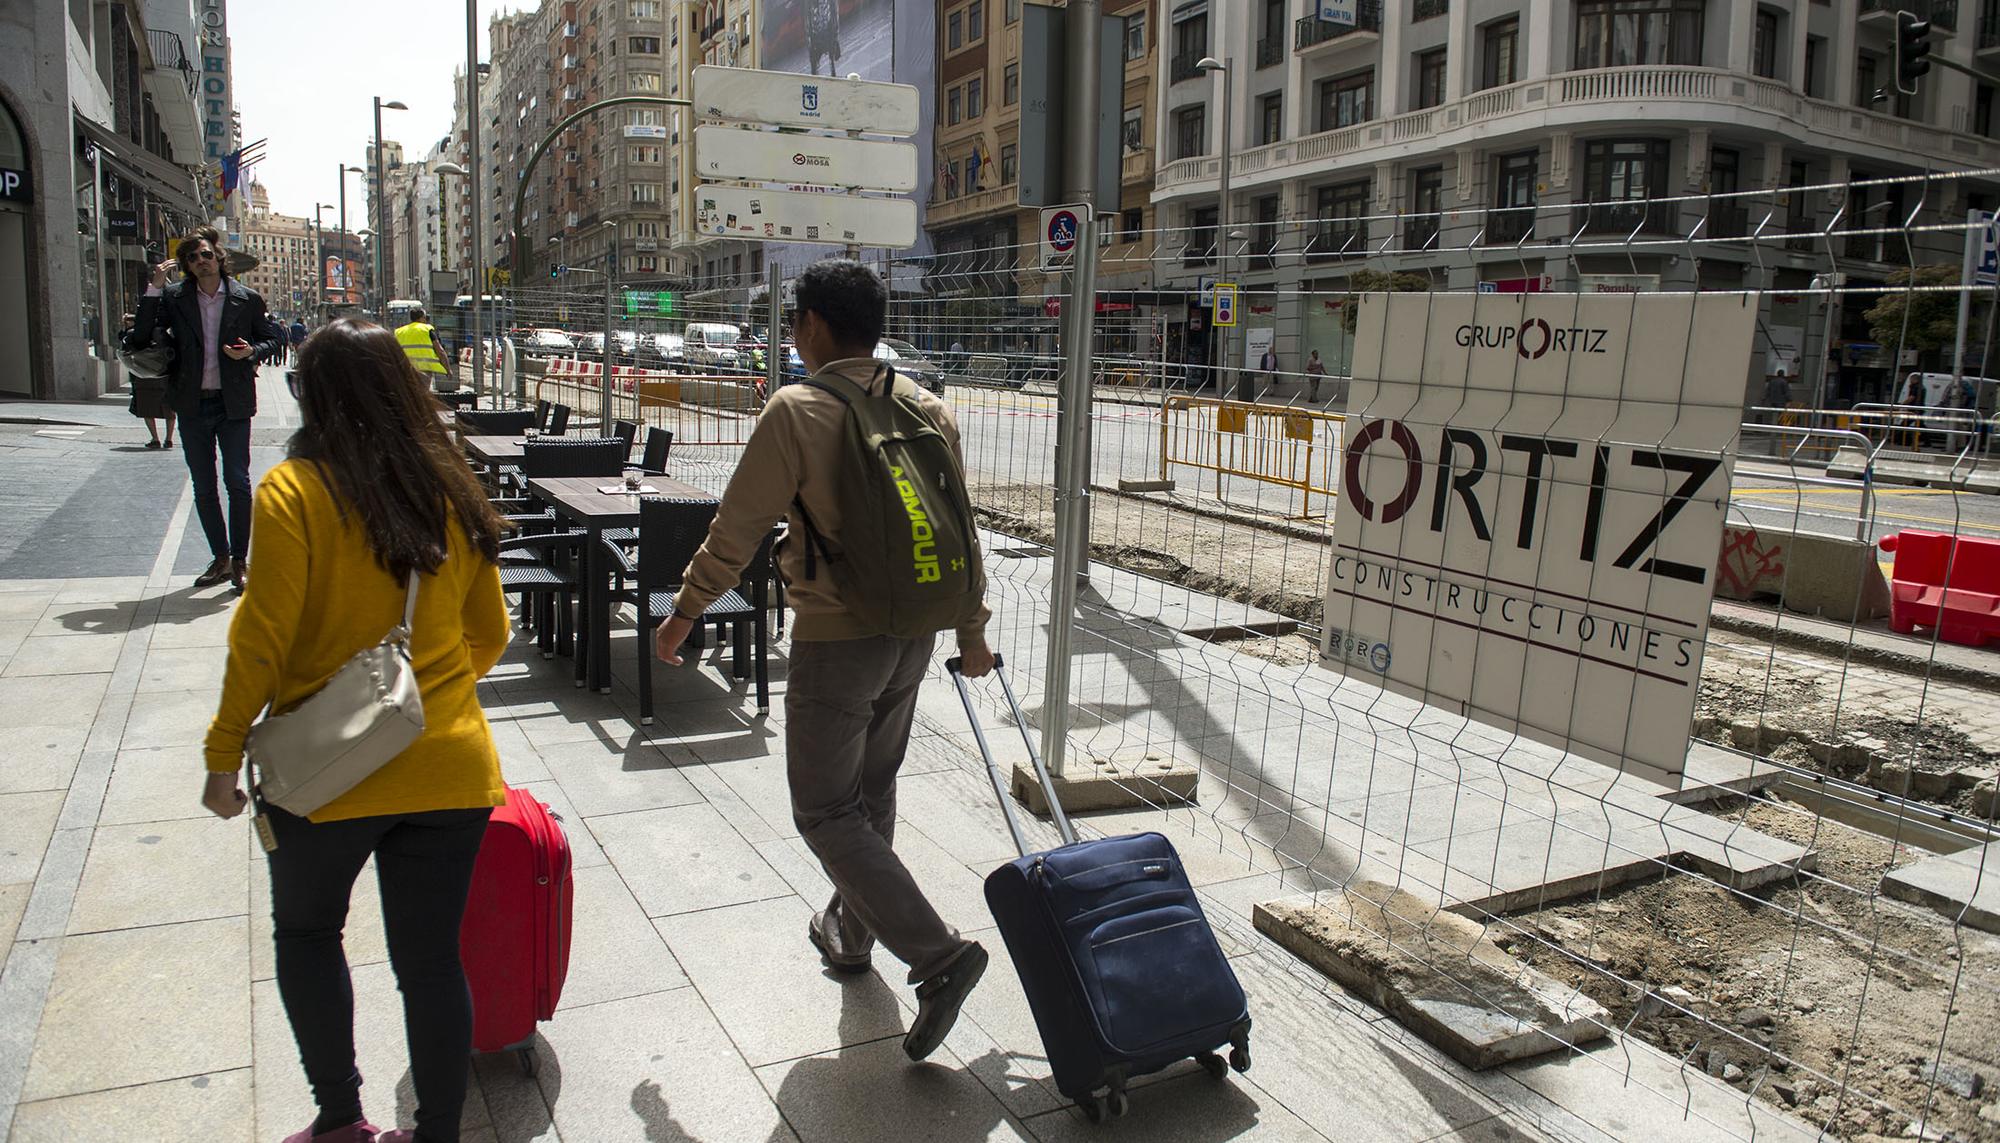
173	185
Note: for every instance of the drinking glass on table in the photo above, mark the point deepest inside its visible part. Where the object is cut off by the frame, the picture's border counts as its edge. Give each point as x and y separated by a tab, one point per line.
530	433
634	477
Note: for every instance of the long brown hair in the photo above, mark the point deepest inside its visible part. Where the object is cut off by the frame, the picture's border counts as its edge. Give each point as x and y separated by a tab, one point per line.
371	430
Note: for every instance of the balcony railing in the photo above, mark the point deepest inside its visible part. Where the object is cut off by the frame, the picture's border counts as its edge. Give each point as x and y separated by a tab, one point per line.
1337	238
1420	232
1943	14
169	54
1989	33
1425	9
1510	225
1728	218
1642	216
1311	31
1183	66
1270	51
1682	92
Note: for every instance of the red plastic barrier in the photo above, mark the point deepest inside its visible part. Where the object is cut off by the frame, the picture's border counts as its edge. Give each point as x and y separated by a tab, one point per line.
1968	610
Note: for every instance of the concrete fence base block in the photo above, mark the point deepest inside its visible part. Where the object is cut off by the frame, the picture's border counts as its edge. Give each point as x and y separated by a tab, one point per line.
1145	485
1828	576
1437	973
1112	784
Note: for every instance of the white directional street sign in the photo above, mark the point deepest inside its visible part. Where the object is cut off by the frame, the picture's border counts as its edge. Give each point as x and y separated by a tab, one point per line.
1982	255
796	216
794	157
789	99
1061	228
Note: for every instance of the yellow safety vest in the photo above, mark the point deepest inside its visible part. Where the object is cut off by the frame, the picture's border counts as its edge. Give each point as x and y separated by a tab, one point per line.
415	338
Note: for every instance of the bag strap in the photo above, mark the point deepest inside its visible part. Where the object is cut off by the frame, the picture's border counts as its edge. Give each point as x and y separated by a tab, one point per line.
403	632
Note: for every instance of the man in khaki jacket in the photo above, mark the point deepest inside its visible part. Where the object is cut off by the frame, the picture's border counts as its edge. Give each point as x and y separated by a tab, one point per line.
850	692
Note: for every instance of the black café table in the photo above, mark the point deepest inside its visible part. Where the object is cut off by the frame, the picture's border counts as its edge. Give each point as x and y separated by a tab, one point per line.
500	452
576	499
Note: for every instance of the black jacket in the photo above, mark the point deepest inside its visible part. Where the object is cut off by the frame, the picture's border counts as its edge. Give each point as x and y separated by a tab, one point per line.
176	315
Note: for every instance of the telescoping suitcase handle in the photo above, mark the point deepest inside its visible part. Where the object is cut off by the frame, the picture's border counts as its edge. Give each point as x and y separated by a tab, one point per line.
955	666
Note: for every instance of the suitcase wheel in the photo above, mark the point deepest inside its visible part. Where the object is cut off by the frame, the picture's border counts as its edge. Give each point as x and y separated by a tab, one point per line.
1239	1057
1111	1105
1213	1065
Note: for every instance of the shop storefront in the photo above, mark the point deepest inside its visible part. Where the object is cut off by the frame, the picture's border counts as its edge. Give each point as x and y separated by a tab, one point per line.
17	196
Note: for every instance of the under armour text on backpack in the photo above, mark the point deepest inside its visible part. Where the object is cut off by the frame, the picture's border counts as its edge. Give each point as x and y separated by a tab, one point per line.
908	562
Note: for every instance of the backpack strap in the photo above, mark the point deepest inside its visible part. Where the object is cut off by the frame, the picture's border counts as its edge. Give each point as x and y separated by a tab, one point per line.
815	540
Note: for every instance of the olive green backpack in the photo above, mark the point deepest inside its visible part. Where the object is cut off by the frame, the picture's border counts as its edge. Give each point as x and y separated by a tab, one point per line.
908	563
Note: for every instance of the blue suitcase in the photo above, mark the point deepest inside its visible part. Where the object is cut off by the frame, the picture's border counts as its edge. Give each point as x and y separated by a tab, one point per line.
1120	966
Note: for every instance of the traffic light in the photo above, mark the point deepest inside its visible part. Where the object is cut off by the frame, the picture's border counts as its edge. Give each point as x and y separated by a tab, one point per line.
1913	51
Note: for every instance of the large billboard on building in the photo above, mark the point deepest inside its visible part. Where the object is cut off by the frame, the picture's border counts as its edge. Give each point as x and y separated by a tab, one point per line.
890	40
1532	498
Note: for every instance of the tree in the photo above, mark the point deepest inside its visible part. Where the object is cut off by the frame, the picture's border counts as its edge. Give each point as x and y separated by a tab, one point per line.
1378	282
1932	317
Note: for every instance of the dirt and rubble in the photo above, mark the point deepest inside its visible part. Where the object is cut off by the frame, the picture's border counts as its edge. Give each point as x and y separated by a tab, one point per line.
1797	989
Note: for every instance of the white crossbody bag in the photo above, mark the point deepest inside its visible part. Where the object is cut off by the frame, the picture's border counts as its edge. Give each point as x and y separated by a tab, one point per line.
369	712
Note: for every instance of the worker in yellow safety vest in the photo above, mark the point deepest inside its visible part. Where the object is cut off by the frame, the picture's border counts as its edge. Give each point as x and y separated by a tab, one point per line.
419	339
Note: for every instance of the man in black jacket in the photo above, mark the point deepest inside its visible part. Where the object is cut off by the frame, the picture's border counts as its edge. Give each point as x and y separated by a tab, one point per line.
219	330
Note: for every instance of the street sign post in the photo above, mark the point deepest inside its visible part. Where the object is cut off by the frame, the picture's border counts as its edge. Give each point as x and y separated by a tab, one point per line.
790	157
797	216
1981	269
1225	303
1061	226
789	99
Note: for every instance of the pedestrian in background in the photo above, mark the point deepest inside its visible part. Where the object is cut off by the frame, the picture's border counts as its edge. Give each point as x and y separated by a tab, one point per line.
298	336
852	690
1268	366
1315	373
373	490
149	390
218	329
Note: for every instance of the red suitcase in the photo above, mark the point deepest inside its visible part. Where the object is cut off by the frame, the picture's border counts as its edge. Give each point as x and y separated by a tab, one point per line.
515	940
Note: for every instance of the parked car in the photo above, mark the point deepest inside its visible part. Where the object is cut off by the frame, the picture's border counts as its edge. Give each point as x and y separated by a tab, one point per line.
545	341
911	362
712	344
662	351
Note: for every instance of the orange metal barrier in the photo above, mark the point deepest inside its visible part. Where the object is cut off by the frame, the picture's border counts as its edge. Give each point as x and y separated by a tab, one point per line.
697	409
1289	447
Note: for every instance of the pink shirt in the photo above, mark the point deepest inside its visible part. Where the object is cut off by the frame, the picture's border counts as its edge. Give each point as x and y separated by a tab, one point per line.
211	332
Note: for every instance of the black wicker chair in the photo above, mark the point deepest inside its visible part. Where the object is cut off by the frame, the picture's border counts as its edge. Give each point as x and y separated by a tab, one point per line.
558	420
547	584
496	422
627	431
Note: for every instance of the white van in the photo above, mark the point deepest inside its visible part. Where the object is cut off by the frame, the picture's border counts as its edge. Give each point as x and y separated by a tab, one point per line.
713	344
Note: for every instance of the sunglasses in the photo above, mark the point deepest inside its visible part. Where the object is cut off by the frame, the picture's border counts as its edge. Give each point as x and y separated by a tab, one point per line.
201	255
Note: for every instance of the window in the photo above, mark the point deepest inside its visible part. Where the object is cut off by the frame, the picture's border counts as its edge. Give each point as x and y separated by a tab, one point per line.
1622	33
1815	67
1271	45
1131	224
1346	101
1201	236
1010	85
1190	133
645	192
1499	45
975	21
1982	110
1270	118
954	31
644	117
1135	36
975	97
1514	194
1013	11
1132	129
1430	78
952	107
643	45
642	154
1010	164
1426	200
642	82
1339	211
1867	73
1190	44
1727	217
1620	176
1264	240
643	9
1764	47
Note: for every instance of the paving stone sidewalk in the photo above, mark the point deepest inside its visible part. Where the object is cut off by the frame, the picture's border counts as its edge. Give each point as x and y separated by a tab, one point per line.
136	998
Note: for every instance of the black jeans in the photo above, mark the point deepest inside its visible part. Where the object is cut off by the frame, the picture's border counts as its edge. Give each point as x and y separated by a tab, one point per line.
423	863
210	431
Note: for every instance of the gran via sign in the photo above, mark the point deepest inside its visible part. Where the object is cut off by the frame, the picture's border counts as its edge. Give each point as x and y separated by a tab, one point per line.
1532	497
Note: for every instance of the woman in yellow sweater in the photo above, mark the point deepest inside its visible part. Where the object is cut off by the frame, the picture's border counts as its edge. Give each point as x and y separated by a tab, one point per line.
372	489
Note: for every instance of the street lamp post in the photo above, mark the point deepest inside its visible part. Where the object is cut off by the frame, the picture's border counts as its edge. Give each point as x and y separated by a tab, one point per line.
378	203
319	265
1243	382
346	283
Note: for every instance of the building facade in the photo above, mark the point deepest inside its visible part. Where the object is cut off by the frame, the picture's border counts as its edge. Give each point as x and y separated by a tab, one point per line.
1458	138
282	245
100	138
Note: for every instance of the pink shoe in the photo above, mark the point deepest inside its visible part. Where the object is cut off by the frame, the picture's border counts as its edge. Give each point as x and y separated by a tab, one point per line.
362	1132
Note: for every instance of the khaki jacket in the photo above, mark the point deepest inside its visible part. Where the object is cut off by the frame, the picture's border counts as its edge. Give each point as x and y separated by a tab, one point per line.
795	452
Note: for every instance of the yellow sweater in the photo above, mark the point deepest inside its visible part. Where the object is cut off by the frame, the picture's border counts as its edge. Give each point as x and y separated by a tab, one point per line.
315	596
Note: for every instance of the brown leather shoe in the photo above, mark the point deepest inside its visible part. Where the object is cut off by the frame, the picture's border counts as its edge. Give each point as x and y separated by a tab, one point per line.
218	570
238	571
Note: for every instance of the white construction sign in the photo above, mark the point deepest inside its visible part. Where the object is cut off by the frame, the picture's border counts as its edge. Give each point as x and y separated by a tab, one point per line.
788	99
791	157
1532	499
800	216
